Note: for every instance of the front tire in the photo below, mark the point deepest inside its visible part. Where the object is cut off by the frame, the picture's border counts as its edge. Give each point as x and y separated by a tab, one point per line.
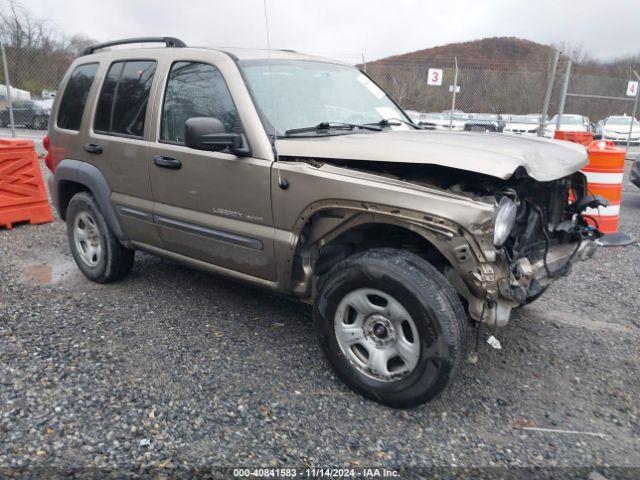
96	250
391	326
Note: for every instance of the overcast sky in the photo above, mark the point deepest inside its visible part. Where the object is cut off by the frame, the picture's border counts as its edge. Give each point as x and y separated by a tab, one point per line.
345	29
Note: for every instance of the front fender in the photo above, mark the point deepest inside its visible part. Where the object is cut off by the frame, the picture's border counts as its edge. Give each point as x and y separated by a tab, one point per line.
449	239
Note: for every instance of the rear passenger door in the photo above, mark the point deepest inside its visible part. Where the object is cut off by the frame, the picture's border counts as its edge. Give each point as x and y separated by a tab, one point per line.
210	206
117	144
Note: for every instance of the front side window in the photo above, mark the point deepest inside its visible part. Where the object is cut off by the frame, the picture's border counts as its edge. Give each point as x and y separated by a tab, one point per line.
75	96
299	93
122	105
195	90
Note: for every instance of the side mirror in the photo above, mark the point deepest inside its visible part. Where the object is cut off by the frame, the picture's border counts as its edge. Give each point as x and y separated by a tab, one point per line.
208	133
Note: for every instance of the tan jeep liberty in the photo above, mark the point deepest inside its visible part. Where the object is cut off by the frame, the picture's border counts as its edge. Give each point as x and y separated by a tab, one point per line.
300	175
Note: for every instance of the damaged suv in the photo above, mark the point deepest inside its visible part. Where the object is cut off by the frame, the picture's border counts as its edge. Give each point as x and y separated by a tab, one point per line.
300	175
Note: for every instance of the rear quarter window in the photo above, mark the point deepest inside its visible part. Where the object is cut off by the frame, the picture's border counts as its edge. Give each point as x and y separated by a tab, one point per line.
122	105
75	96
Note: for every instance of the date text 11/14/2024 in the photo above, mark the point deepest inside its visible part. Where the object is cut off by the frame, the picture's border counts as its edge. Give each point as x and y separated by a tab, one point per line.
315	473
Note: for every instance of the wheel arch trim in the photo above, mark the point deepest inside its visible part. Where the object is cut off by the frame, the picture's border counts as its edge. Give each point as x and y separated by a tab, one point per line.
445	236
91	177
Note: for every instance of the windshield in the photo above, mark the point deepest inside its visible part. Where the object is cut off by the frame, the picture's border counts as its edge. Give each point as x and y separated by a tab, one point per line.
621	121
434	116
524	119
568	119
295	94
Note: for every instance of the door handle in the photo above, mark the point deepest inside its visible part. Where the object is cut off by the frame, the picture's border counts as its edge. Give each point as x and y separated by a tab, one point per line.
93	148
167	162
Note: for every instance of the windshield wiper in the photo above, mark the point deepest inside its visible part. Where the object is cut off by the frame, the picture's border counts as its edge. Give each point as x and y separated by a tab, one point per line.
325	126
388	122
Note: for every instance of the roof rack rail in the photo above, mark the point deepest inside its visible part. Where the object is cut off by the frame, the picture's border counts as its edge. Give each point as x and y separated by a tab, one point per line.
170	42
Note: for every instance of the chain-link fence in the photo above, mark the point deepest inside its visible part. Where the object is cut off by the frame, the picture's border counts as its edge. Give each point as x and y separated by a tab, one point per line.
29	79
517	99
497	91
611	103
455	96
443	94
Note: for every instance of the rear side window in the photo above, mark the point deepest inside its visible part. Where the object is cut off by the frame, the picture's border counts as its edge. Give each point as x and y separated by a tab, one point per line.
195	90
122	105
102	120
75	96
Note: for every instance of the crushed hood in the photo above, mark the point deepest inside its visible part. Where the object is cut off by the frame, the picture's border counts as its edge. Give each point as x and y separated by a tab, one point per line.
496	154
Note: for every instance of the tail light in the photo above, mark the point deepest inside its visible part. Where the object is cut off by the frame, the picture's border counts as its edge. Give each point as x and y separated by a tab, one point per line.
48	160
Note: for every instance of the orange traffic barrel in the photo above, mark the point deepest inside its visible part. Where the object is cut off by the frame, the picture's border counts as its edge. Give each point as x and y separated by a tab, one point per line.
23	197
604	176
584	138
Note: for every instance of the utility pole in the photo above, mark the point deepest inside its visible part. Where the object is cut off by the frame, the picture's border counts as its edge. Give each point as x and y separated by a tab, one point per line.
547	95
565	87
633	115
453	98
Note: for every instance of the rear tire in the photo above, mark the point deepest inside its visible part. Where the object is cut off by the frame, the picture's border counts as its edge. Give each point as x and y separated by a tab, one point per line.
96	250
405	312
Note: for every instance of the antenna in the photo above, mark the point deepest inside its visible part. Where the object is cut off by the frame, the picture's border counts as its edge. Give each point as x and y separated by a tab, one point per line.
282	183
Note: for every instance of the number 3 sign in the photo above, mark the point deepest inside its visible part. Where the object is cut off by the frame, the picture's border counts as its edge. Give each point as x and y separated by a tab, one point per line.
435	76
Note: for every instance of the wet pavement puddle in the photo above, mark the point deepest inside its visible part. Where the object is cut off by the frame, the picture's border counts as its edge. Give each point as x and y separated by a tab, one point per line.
46	273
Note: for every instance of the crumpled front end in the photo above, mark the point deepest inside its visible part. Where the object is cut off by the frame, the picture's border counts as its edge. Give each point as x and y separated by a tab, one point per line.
548	233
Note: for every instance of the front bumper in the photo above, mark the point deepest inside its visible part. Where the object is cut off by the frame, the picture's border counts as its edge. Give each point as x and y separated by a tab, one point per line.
622	140
528	133
507	288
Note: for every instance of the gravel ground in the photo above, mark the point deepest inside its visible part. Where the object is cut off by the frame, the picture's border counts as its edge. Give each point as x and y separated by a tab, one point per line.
173	367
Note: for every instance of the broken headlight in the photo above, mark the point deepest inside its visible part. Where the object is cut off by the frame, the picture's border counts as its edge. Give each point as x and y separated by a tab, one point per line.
504	221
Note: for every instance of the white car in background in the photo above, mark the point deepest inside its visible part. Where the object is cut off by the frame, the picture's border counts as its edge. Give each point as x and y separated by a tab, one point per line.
414	116
616	129
523	125
420	119
45	104
441	121
568	123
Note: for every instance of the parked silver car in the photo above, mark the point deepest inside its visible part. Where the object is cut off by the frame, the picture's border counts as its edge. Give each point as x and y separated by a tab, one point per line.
444	121
616	129
523	125
568	123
